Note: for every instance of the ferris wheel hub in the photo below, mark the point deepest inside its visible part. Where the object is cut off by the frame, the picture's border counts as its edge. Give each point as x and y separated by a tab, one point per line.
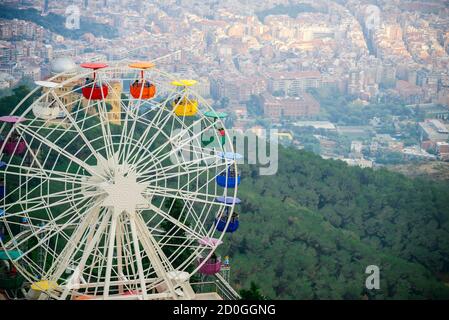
124	193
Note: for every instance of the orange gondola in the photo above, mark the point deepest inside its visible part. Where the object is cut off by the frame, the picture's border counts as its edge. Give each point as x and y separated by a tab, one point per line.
142	89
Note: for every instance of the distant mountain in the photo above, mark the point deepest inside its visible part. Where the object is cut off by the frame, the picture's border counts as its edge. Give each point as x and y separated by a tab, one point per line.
56	23
310	231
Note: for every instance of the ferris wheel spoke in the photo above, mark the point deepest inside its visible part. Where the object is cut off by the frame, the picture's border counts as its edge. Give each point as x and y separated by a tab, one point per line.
155	152
69	192
124	129
47	174
91	240
51	225
105	129
187	244
125	138
110	252
77	128
40	167
105	121
58	149
187	167
124	141
160	125
158	122
159	261
135	241
186	130
35	125
180	194
198	194
189	212
127	247
55	230
41	201
179	145
180	172
178	223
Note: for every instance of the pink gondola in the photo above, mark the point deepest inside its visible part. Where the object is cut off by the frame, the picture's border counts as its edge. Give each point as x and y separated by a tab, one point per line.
211	266
210	242
14	145
12	119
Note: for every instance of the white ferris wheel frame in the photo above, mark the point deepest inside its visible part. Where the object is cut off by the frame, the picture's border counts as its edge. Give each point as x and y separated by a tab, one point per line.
91	221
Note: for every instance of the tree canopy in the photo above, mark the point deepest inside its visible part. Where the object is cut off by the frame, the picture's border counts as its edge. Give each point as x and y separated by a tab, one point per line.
310	231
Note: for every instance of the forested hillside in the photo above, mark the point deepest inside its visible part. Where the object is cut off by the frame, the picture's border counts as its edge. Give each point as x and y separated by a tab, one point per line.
311	230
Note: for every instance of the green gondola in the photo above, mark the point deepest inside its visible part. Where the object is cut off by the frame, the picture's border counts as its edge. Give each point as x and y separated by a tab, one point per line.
215	116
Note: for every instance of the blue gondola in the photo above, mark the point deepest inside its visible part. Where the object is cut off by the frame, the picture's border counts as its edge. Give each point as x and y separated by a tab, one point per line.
228	200
221	223
230	155
228	180
2	190
232	226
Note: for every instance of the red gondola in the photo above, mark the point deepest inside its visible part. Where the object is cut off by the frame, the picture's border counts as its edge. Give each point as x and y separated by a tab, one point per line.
92	90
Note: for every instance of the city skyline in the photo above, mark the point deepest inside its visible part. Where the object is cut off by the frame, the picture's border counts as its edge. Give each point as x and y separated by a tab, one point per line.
260	62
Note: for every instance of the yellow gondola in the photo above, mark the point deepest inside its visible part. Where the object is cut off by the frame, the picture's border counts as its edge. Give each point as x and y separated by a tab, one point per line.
184	106
44	285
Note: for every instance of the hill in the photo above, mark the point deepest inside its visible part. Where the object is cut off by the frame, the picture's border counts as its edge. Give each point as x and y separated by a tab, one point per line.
310	231
435	170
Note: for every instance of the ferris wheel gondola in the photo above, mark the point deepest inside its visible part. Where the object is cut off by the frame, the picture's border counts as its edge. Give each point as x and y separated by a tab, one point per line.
185	105
142	88
48	107
92	90
13	144
218	127
229	220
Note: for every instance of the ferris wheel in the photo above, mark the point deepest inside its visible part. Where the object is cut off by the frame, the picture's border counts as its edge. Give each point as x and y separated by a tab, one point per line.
117	182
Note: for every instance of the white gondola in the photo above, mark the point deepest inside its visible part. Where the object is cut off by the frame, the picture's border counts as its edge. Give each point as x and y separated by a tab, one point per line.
48	109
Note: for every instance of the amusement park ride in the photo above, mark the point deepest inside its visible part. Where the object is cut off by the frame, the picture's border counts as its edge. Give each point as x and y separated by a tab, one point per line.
92	210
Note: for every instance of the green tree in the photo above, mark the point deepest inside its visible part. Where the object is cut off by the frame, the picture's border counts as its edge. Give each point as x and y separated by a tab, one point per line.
253	293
